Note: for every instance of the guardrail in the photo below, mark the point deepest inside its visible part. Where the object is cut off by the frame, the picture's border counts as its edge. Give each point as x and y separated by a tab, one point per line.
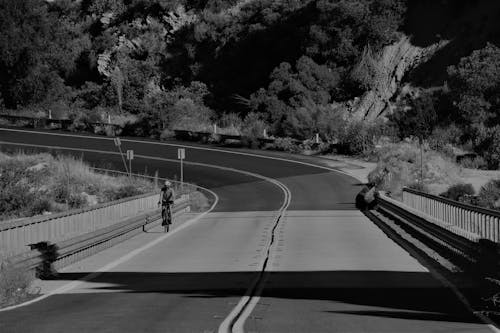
469	250
197	136
481	221
461	241
61	123
45	256
16	235
187	135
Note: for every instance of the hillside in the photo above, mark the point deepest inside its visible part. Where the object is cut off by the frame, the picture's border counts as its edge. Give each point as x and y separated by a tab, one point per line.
293	67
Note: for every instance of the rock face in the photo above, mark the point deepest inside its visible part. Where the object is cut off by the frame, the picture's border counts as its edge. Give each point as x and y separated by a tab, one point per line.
390	66
37	167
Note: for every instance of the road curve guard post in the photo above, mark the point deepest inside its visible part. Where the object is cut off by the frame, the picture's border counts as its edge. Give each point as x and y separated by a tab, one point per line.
130	157
181	155
118	144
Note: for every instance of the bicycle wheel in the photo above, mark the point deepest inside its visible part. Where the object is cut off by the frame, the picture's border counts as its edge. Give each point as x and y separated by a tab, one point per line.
164	216
169	215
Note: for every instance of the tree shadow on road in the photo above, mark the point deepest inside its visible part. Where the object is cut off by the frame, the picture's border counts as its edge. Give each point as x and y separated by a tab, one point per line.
403	295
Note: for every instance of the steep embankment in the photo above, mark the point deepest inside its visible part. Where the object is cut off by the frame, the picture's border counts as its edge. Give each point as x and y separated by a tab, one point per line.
436	34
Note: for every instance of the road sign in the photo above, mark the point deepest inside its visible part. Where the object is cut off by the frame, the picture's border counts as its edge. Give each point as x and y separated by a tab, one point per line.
117	141
130	155
181	153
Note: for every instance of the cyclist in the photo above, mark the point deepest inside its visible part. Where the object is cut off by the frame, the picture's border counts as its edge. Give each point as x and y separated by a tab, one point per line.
167	197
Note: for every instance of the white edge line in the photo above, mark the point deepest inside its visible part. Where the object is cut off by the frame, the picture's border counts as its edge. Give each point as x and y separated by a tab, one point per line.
128	256
190	146
224	327
459	295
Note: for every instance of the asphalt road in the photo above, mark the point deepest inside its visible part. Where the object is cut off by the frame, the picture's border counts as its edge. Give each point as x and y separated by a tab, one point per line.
330	269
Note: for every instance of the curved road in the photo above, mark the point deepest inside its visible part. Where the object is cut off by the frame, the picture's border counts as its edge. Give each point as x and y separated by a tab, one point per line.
329	268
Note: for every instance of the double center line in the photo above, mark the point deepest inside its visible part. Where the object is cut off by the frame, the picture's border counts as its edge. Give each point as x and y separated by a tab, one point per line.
235	321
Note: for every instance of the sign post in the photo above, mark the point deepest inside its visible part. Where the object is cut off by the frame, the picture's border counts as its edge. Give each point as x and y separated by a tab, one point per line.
118	144
130	157
181	155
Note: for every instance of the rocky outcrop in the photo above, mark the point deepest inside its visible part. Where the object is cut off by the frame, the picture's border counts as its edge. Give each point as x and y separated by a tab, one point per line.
388	70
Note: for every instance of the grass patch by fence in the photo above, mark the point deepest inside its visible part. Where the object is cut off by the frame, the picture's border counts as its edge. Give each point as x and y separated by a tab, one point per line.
41	184
15	283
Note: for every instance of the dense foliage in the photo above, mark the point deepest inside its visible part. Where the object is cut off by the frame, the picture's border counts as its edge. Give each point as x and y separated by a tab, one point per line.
291	67
287	60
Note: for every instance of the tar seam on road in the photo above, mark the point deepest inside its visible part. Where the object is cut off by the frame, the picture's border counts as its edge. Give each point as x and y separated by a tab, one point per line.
459	295
235	321
243	308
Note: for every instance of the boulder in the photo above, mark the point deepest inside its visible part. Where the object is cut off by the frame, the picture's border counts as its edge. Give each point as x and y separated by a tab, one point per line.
90	199
37	167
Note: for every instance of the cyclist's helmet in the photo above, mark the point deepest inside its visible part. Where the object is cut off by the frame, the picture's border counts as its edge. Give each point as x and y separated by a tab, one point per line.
167	183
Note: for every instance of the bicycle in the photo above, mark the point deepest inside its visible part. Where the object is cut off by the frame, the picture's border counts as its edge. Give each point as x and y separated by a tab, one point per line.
166	216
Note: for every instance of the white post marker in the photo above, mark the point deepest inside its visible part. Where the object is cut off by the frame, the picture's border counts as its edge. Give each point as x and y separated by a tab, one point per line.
215	128
265	133
118	144
181	155
317	137
130	157
50	114
109	119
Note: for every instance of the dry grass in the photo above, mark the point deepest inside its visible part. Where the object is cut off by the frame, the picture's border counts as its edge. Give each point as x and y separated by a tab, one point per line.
399	166
15	283
40	184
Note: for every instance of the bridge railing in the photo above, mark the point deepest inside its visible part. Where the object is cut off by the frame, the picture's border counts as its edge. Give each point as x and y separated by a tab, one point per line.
481	221
16	235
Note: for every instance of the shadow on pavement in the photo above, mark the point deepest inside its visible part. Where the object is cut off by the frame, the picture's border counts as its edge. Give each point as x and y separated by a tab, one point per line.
405	295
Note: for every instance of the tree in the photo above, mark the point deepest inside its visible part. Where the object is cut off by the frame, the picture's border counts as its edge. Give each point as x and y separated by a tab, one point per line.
415	116
475	87
296	97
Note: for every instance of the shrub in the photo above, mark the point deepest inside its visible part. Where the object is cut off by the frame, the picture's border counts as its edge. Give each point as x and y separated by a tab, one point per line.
492	153
76	201
418	186
458	192
14	285
442	137
40	206
476	162
254	128
228	120
167	134
123	192
34	184
399	166
359	138
489	195
198	201
283	144
354	139
487	144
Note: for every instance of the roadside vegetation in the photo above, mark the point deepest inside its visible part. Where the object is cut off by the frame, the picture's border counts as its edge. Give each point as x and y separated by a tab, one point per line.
43	184
289	69
16	285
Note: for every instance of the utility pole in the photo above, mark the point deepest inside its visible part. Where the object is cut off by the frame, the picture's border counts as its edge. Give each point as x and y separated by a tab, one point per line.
118	144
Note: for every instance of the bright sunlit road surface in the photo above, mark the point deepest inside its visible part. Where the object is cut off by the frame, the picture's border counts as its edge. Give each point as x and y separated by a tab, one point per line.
329	268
